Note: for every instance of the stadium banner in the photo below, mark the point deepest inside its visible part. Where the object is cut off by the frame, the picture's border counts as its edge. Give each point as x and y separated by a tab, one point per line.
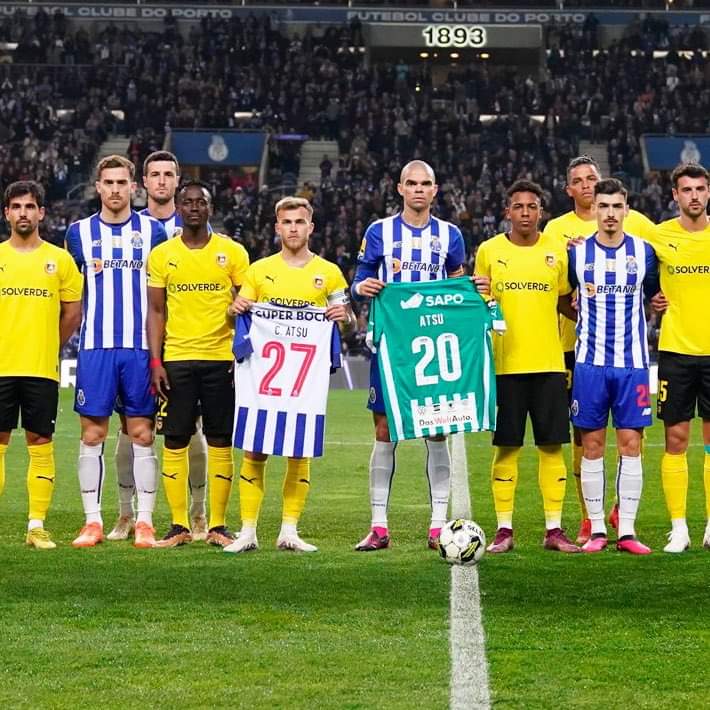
217	148
198	11
664	152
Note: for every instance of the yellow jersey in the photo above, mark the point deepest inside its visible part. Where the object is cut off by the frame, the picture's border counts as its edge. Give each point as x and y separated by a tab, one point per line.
32	286
198	285
684	268
272	280
526	281
570	226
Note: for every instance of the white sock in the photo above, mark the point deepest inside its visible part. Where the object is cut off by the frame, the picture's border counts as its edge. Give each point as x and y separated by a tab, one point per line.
629	483
124	474
33	523
679	525
593	492
381	473
438	471
145	471
288	529
91	480
198	473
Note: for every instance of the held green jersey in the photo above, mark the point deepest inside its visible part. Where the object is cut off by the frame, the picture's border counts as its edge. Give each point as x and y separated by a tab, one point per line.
434	347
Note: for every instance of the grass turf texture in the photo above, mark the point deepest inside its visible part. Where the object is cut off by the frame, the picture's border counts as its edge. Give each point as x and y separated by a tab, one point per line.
194	627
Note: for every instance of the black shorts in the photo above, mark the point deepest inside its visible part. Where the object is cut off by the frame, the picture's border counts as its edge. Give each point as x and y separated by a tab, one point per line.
197	387
542	395
683	382
36	397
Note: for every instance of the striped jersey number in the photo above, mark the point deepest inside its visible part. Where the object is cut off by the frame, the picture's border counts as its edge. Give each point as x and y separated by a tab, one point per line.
448	356
277	349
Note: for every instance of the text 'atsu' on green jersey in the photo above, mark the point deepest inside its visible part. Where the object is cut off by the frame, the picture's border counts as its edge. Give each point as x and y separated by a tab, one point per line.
433	344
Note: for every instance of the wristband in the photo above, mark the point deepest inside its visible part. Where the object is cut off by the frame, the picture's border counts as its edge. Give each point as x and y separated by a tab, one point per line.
155	362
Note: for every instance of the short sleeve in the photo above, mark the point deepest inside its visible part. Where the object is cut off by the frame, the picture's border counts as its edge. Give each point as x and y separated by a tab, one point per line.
158	234
572	268
563	286
481	266
73	241
156	270
457	250
371	245
240	265
336	281
249	287
71	281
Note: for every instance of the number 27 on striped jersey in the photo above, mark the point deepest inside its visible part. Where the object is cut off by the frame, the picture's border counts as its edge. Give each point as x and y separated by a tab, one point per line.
278	350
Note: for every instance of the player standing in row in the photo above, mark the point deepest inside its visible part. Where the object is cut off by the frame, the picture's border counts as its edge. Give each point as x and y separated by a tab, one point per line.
111	249
40	307
683	248
579	223
528	272
613	272
407	247
161	177
296	277
191	284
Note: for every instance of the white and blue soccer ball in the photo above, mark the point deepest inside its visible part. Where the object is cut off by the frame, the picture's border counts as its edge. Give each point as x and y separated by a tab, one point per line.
462	542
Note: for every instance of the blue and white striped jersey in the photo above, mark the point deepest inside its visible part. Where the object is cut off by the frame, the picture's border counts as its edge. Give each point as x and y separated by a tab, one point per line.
284	359
113	259
612	281
395	252
171	225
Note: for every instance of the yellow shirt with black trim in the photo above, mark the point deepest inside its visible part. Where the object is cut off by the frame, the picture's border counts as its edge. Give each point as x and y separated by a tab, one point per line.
272	280
684	269
198	285
33	285
570	226
527	282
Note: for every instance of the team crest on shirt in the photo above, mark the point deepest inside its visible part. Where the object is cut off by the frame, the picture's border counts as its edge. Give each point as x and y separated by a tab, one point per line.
50	267
318	281
97	265
80	398
435	245
396	265
590	290
550	260
137	240
221	260
632	266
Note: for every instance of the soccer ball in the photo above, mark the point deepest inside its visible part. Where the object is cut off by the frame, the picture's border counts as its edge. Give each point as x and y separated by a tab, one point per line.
462	542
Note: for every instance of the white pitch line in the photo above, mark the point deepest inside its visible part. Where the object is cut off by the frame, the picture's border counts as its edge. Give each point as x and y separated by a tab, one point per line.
467	642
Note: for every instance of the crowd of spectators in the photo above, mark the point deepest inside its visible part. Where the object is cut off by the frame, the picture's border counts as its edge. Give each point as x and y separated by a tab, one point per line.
62	96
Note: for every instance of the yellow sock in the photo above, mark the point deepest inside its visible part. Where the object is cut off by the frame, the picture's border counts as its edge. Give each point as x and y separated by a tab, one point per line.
577	470
176	467
297	483
504	479
251	490
3	451
706	479
552	477
674	475
40	479
220	471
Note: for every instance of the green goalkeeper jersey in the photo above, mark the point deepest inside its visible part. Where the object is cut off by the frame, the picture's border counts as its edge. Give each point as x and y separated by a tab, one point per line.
433	345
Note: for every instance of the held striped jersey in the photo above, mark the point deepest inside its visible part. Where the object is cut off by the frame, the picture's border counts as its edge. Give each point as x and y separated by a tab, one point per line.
435	357
284	360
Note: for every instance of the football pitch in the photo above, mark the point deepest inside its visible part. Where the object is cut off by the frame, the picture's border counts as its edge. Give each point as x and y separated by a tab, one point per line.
116	627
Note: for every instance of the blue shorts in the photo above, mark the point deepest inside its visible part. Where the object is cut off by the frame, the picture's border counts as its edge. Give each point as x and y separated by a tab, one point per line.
114	378
376	400
622	390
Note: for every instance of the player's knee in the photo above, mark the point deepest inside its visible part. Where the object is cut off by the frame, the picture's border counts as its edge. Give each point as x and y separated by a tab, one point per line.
34	439
677	439
219	442
382	431
177	442
93	436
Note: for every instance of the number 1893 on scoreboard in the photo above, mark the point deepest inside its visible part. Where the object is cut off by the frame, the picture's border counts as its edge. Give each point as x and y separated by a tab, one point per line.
460	36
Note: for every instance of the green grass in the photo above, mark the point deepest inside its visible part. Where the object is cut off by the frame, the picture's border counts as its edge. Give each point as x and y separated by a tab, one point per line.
194	627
